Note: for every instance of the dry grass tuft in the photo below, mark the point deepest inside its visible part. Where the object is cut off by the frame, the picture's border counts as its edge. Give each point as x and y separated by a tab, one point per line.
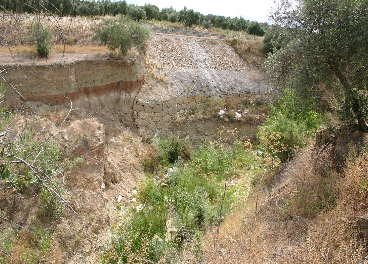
249	50
331	239
354	186
339	235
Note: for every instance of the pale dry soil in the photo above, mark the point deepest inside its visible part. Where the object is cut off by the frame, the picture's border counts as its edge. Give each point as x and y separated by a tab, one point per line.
111	168
18	58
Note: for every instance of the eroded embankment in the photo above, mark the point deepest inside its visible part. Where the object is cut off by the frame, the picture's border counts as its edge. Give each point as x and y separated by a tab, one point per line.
99	85
184	72
178	73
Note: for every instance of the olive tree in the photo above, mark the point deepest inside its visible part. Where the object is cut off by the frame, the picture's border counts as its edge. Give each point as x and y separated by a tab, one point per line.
255	28
136	12
189	17
323	47
122	34
152	11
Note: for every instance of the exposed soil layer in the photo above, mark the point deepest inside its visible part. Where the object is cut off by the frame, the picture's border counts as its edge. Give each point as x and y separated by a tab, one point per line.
115	88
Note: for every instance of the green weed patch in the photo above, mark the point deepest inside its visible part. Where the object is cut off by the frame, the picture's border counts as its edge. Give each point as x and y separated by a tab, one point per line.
177	203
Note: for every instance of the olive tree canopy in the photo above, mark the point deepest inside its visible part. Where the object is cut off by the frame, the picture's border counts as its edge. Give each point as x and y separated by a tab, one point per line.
323	46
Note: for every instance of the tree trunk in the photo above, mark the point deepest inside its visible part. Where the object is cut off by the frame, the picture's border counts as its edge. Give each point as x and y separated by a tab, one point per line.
349	95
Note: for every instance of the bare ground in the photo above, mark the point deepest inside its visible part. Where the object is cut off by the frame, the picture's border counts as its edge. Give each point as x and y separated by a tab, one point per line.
110	169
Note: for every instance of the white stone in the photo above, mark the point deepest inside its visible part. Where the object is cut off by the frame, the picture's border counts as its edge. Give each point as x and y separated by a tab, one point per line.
139	208
221	113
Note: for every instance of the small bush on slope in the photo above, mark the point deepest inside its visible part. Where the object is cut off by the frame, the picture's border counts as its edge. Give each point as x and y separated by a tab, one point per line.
42	35
287	128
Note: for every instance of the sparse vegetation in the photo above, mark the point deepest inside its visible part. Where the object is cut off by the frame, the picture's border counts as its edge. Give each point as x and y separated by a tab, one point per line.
249	50
33	246
178	202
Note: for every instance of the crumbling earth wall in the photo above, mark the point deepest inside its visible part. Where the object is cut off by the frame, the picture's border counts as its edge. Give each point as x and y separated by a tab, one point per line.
188	71
177	73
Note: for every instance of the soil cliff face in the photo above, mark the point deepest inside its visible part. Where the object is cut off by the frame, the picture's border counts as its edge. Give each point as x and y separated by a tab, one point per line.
102	93
177	73
99	85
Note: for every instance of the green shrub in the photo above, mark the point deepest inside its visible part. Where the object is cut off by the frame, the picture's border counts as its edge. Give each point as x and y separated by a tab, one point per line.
38	171
170	150
255	28
28	164
207	24
42	35
44	160
50	208
281	136
287	128
136	13
267	46
123	35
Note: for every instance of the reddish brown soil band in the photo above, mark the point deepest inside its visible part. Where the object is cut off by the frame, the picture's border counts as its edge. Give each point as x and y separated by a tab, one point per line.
86	92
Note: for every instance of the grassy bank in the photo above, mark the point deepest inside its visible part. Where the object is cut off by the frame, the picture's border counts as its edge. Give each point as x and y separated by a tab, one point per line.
183	195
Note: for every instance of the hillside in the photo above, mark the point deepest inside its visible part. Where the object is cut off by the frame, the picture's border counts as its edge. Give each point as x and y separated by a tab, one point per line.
99	134
127	135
